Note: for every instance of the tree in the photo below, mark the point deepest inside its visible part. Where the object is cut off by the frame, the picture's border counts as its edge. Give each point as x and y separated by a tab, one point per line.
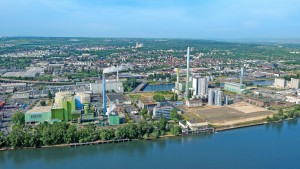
49	95
280	112
176	130
2	140
16	137
161	124
174	115
43	103
18	118
269	119
132	131
144	112
155	134
159	98
71	135
218	84
176	97
172	98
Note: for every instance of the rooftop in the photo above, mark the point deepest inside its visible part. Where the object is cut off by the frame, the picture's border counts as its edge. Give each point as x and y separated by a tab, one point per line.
40	109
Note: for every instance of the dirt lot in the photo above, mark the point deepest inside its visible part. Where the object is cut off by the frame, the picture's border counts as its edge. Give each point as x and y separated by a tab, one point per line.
227	115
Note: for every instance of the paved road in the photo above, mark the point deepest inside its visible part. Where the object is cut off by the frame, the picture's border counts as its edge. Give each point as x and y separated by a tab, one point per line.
128	109
36	82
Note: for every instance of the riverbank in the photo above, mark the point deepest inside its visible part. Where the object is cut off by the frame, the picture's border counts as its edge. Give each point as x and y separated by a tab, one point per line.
113	141
189	149
242	125
217	129
73	144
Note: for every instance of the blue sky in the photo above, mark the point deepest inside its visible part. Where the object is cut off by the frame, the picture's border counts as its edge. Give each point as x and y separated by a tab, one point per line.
205	19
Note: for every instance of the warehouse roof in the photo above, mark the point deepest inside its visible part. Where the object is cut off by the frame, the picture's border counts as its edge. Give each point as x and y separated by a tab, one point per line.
40	109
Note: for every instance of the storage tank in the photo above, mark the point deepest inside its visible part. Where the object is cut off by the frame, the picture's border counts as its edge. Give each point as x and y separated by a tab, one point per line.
211	95
61	96
220	96
86	108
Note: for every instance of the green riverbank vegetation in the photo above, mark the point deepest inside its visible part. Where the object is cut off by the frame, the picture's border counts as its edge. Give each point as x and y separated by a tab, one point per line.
282	115
47	134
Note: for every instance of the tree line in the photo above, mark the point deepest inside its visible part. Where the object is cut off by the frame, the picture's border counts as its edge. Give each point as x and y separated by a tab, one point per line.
281	115
47	134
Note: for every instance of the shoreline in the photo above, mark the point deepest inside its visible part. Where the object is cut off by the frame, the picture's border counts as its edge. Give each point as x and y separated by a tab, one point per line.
217	129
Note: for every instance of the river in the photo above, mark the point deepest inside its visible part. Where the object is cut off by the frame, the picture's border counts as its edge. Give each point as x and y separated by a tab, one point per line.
272	146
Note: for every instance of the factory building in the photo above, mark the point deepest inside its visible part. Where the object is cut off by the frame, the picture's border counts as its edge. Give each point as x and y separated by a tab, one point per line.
113	119
234	87
116	86
20	95
280	83
162	111
66	107
147	104
13	85
30	72
194	103
38	115
81	99
295	83
291	99
179	87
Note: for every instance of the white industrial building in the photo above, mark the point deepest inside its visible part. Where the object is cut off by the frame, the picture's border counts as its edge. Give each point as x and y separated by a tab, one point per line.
291	99
162	111
280	83
295	83
194	103
200	87
116	86
20	95
30	72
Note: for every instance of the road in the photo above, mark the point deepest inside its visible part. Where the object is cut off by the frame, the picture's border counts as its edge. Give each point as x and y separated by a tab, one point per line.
36	82
128	109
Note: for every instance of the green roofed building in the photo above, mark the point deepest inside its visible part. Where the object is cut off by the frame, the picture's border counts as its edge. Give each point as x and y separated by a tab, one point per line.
38	114
234	87
114	119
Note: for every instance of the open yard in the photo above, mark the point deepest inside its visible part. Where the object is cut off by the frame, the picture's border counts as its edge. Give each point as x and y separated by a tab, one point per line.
227	115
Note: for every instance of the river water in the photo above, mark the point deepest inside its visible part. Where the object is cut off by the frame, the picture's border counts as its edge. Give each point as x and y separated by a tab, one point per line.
272	146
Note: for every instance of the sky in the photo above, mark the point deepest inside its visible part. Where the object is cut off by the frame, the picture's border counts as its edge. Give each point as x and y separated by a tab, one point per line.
197	19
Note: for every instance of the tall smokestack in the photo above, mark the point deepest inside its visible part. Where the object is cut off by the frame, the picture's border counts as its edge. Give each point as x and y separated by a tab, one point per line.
187	85
104	95
242	75
178	74
117	73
